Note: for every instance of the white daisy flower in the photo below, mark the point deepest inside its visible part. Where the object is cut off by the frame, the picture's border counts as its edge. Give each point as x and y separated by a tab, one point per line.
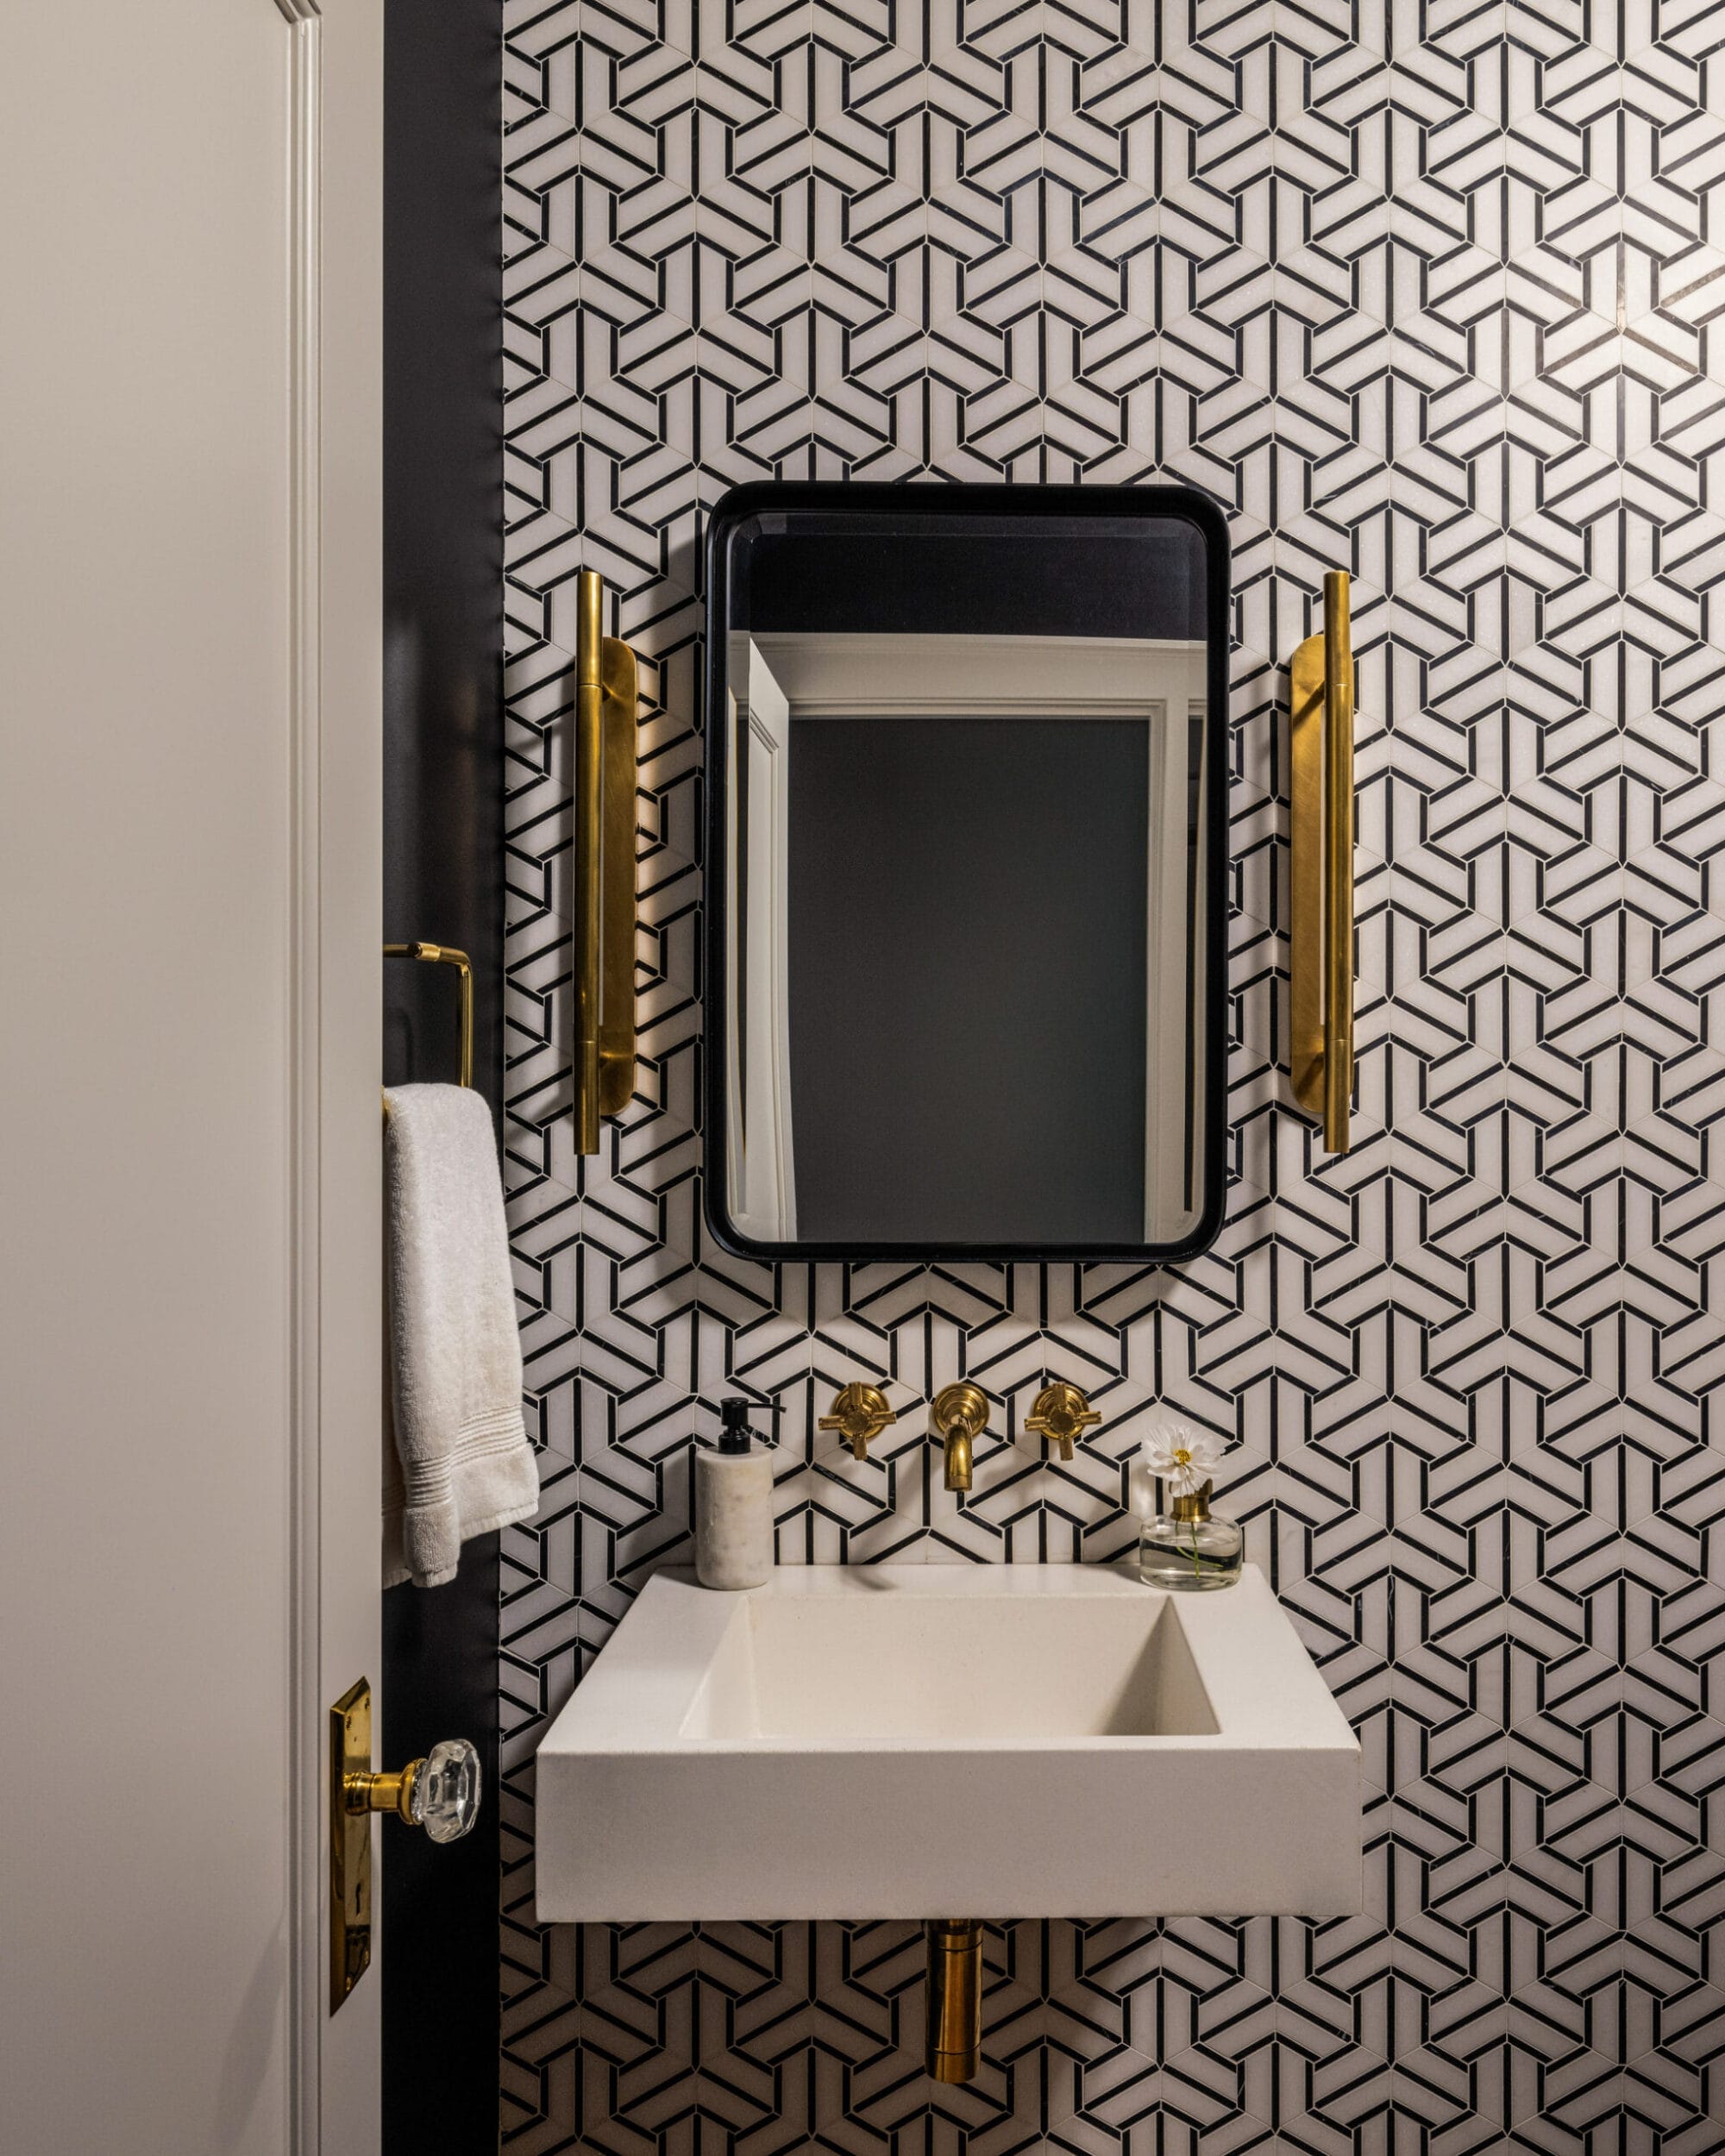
1181	1457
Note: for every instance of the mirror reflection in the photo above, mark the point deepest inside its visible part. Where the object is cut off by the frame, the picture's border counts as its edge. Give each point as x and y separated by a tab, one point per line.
966	933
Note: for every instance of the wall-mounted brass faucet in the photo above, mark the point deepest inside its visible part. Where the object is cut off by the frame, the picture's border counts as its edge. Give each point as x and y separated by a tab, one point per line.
859	1413
958	1417
1061	1415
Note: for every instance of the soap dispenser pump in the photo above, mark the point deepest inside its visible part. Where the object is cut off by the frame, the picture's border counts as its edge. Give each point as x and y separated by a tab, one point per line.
733	1503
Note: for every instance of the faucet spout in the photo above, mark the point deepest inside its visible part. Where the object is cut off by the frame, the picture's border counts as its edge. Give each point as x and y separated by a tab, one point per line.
958	1417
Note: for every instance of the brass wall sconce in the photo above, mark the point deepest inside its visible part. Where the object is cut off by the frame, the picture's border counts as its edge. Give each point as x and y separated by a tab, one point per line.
606	695
1060	1415
1320	868
859	1413
958	1417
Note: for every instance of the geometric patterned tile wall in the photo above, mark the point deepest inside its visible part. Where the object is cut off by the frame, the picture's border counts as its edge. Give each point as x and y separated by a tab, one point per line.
1436	291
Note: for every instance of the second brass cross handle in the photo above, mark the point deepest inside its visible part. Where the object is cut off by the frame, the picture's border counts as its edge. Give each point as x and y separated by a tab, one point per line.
1061	1414
859	1413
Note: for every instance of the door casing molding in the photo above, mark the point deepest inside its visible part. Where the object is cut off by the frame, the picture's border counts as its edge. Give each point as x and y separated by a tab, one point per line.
307	1861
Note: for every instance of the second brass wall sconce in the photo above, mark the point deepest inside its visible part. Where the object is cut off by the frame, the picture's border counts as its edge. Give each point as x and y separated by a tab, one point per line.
606	694
1320	868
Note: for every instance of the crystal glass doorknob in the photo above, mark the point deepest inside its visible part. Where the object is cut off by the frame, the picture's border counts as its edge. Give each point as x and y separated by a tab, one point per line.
446	1790
440	1792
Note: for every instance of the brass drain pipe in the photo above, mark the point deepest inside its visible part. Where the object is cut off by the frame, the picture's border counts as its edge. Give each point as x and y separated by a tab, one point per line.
954	1998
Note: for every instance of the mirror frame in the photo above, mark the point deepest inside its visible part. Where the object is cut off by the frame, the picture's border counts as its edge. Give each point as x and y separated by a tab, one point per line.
965	499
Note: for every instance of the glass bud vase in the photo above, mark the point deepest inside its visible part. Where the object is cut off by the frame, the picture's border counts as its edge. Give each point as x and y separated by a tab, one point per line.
1187	1547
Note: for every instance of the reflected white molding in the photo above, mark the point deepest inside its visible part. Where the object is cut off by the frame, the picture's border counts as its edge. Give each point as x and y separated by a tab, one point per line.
890	676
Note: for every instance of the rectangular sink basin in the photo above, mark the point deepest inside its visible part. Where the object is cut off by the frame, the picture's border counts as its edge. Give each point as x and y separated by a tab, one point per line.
993	1741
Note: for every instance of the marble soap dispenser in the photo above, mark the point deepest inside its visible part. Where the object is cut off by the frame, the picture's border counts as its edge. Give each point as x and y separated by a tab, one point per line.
733	1504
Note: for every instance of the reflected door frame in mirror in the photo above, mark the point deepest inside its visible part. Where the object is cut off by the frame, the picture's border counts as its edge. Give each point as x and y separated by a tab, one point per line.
753	1213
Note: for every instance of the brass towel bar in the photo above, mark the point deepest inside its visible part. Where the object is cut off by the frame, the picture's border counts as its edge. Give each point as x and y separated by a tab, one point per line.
445	955
606	694
1320	868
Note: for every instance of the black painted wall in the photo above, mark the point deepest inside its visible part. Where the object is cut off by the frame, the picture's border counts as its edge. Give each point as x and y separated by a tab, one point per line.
442	881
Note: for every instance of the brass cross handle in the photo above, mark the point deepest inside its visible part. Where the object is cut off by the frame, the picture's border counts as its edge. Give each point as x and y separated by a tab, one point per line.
1061	1414
859	1413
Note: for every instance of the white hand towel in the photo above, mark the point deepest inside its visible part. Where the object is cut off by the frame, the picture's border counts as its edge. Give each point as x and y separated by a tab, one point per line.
464	1465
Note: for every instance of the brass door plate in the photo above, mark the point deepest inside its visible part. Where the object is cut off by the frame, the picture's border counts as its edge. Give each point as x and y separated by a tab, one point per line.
350	1845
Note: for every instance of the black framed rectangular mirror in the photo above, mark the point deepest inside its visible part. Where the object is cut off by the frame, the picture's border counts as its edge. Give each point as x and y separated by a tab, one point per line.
965	872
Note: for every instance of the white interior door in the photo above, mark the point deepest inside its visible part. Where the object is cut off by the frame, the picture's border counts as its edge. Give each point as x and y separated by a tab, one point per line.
189	878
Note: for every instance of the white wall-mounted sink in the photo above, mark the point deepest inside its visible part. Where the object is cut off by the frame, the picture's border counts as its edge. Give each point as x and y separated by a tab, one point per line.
1001	1740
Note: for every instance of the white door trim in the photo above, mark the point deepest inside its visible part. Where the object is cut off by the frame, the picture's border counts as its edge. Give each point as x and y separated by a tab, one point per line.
307	1859
334	966
338	917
